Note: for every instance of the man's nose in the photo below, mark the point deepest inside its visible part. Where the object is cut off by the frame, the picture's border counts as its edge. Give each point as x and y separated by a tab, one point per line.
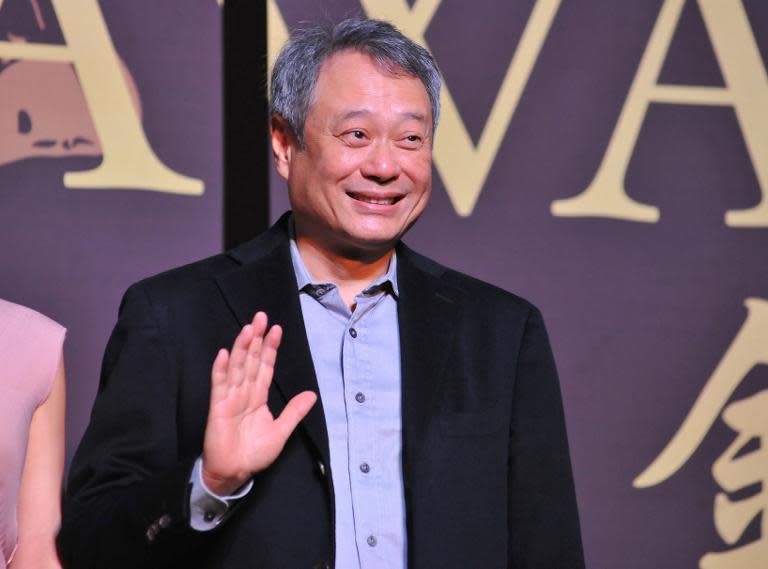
382	164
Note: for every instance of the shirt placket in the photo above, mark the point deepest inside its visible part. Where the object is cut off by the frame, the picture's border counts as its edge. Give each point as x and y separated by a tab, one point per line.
360	398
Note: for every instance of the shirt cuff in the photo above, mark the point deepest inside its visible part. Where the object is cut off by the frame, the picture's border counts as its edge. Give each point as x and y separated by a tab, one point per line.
206	509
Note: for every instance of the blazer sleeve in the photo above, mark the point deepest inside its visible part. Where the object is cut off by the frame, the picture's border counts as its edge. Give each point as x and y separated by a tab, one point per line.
543	518
127	498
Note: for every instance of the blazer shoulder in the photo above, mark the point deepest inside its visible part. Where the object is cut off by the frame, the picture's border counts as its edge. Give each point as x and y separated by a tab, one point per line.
487	292
471	289
186	278
199	276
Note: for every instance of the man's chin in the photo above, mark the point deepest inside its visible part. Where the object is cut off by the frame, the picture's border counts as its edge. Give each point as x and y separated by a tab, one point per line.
369	246
377	233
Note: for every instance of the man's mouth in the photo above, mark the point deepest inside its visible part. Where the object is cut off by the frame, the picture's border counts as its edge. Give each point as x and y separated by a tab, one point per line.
375	200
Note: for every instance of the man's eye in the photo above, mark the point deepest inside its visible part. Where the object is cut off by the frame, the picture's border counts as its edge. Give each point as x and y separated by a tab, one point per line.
355	137
412	141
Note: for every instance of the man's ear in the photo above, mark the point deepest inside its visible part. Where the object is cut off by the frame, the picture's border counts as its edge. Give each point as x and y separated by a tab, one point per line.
283	144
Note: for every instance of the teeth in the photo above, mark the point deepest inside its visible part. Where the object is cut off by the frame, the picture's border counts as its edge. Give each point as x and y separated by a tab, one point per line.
388	201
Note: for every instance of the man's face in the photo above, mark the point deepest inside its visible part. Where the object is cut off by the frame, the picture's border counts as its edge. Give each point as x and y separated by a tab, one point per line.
365	173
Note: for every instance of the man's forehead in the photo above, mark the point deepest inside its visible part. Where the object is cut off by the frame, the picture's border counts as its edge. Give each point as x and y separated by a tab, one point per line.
384	66
346	74
344	60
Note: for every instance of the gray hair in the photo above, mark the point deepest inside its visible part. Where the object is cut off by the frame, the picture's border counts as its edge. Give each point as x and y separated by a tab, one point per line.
295	72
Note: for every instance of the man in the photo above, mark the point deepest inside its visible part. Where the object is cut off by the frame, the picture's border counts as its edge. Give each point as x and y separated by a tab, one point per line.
438	438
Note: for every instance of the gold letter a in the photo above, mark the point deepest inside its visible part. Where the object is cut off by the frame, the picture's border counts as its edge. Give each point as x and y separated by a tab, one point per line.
128	160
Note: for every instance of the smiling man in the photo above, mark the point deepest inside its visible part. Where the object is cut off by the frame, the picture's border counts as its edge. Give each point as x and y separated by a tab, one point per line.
394	414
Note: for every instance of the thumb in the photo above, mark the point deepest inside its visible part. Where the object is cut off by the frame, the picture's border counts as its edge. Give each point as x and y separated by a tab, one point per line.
295	411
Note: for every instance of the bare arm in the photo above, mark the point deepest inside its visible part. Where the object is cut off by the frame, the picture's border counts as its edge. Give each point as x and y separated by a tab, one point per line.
39	513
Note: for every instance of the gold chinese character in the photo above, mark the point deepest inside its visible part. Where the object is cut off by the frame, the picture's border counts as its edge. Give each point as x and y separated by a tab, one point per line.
749	418
732	471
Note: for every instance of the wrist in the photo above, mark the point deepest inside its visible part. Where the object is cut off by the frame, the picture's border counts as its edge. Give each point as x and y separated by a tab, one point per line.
222	485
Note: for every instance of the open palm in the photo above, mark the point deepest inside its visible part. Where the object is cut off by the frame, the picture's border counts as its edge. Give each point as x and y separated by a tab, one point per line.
241	436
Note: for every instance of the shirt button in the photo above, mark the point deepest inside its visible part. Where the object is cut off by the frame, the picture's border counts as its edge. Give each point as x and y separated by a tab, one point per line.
353	332
371	540
321	468
360	397
208	516
364	468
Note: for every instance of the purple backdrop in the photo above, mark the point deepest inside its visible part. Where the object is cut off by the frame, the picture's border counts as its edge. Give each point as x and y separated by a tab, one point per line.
71	253
640	314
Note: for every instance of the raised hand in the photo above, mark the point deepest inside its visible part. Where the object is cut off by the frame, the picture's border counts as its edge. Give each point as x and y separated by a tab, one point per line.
241	436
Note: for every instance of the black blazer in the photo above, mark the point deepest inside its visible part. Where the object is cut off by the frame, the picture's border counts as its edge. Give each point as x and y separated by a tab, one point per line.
485	457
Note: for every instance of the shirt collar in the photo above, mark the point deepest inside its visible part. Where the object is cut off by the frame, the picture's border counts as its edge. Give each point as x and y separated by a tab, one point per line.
386	282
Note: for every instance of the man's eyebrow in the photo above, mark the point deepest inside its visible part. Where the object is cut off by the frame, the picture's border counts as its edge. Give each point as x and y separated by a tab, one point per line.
413	115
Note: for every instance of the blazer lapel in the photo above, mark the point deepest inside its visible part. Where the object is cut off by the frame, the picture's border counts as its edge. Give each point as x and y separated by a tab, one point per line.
428	312
265	281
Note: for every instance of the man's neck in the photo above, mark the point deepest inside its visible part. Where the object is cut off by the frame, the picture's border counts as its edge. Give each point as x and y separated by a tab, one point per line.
351	275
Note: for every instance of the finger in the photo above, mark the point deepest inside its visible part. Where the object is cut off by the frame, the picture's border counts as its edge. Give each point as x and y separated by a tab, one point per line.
259	323
219	367
272	343
269	357
237	357
274	336
219	375
253	362
266	365
294	412
253	358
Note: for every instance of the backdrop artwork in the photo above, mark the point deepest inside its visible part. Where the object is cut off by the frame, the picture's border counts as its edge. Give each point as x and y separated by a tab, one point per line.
110	160
606	160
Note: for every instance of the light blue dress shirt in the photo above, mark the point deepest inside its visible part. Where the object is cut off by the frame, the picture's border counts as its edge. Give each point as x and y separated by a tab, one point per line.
356	356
